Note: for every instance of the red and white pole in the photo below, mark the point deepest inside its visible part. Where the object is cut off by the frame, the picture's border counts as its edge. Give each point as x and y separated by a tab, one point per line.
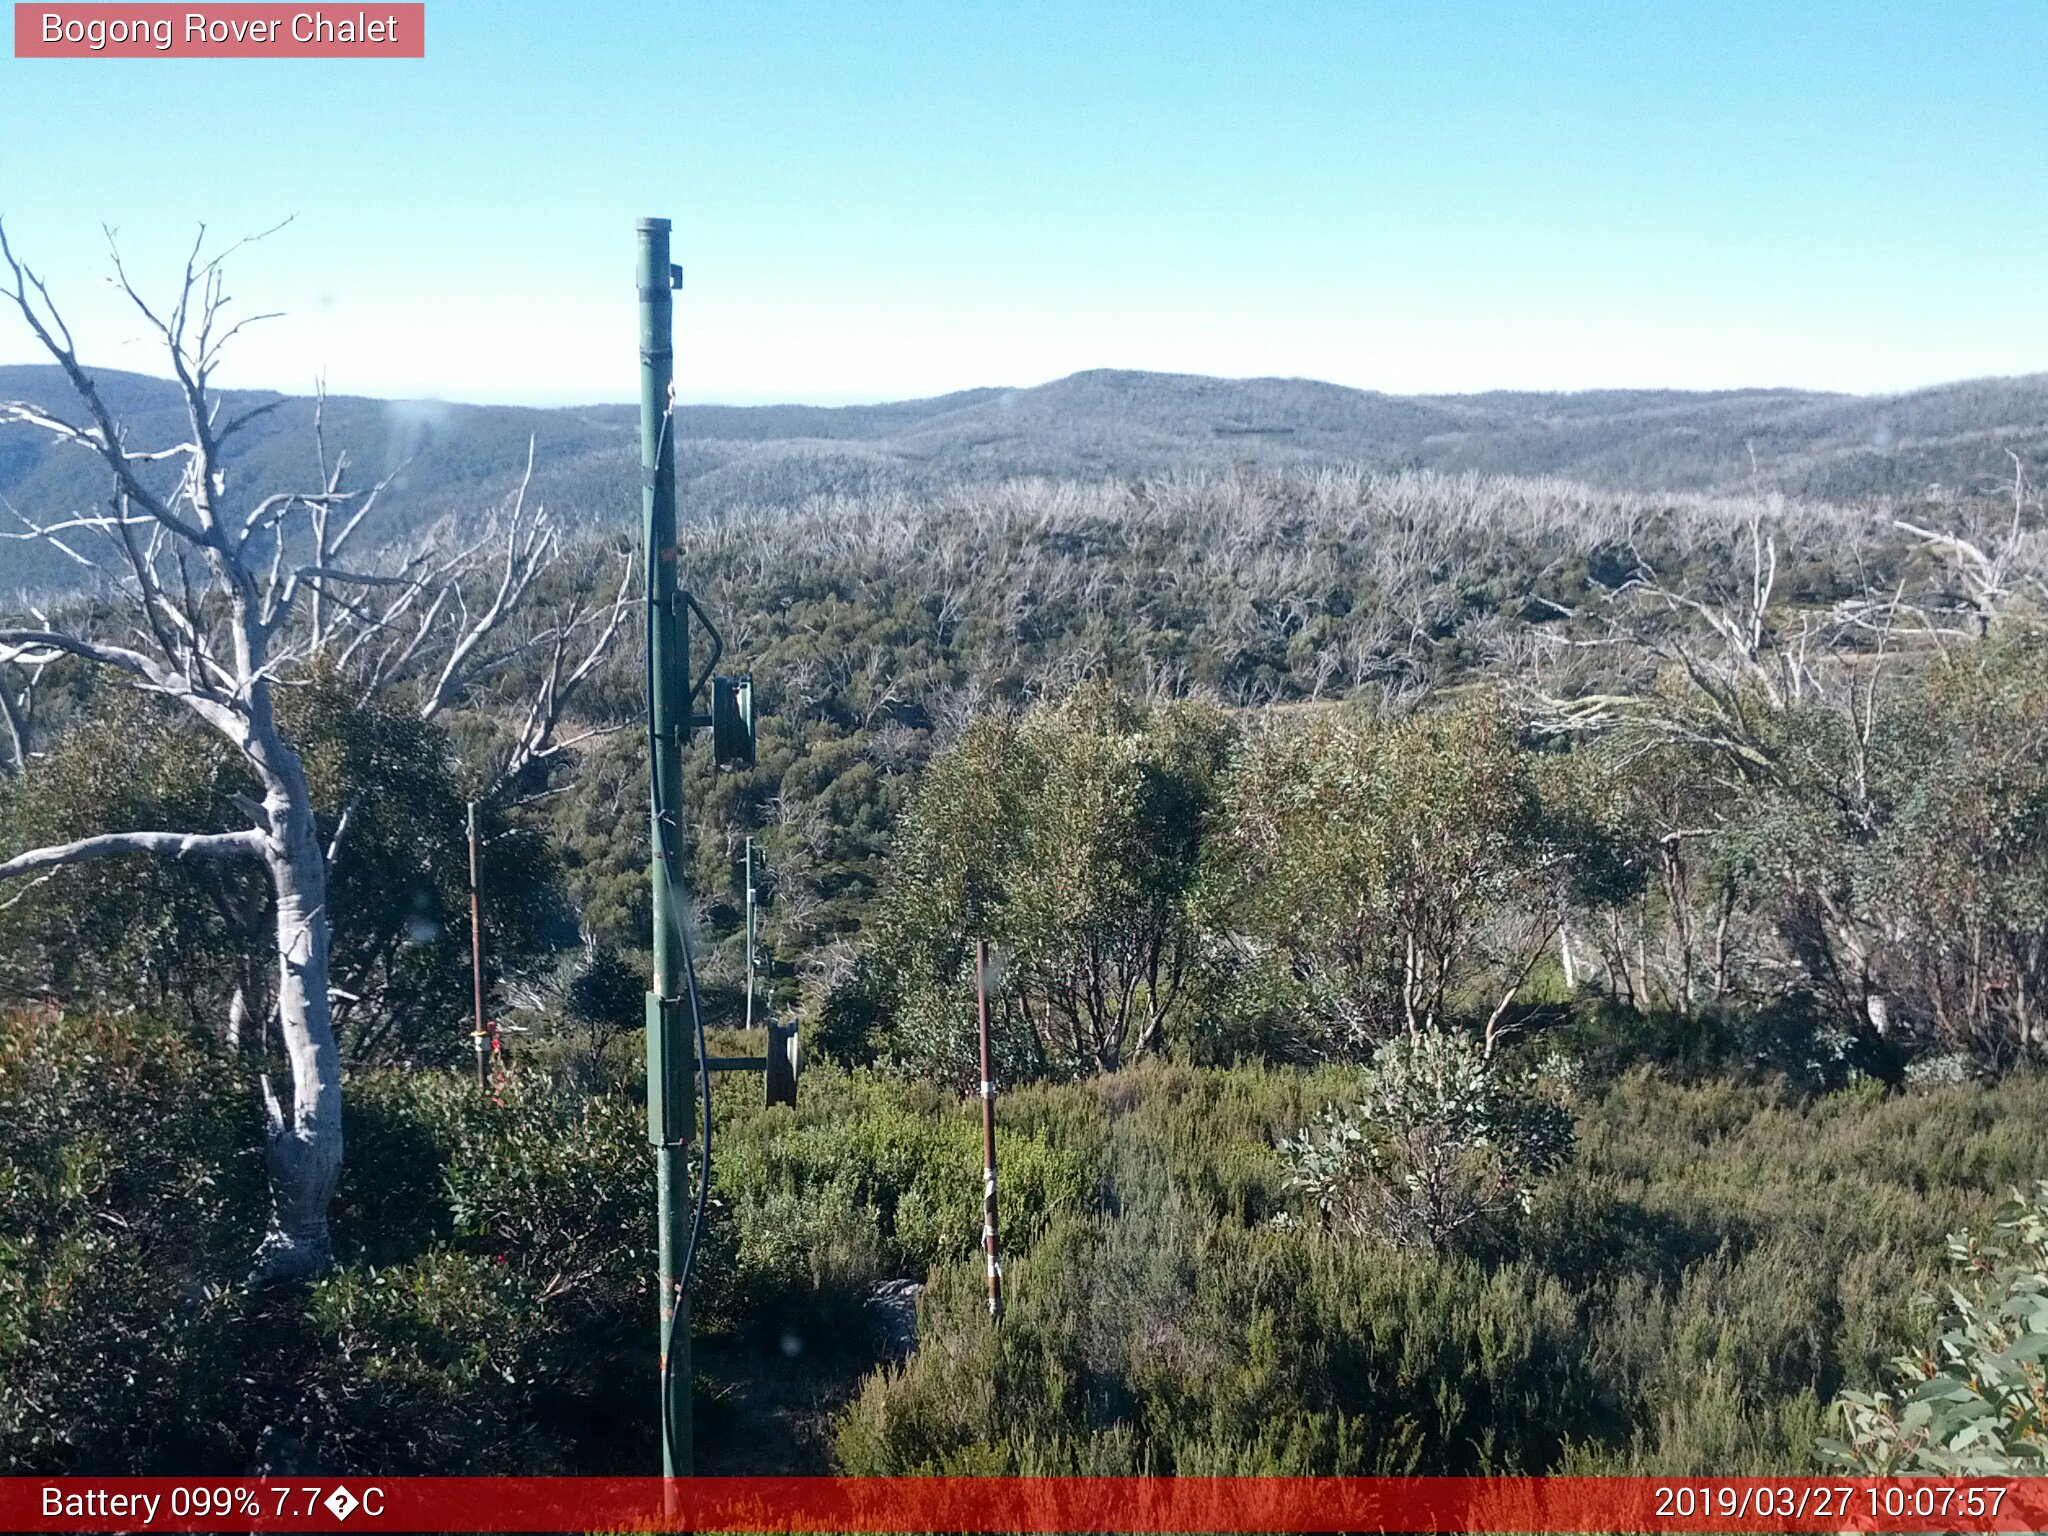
988	1140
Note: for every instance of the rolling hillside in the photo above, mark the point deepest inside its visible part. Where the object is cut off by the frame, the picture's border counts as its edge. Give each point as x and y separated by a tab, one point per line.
457	459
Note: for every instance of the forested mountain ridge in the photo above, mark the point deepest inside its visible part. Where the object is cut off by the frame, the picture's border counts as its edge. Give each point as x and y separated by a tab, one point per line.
459	458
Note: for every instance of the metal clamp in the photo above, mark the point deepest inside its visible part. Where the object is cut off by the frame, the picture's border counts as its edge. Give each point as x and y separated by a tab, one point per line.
691	605
780	1067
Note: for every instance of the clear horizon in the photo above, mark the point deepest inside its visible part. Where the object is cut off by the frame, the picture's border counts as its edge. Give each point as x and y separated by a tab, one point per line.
903	201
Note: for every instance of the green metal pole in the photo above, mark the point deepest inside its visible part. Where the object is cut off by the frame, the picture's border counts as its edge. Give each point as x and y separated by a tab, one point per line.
750	933
671	1067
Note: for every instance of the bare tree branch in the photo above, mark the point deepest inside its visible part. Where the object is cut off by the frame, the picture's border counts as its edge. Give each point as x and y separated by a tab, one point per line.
530	546
164	845
537	739
31	297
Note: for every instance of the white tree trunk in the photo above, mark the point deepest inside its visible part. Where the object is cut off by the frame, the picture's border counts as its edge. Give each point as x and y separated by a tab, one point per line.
304	1141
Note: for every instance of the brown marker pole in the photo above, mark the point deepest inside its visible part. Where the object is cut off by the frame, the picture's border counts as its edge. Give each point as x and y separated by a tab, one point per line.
988	1140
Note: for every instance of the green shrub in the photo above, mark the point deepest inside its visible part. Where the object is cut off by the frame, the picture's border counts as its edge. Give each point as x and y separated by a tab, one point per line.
501	1279
1153	1342
1975	1401
455	1363
128	1193
1442	1136
1071	836
871	1178
1718	1261
1711	1269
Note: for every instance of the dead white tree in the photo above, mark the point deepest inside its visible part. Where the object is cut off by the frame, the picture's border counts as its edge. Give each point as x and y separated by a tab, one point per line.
1994	568
17	713
212	597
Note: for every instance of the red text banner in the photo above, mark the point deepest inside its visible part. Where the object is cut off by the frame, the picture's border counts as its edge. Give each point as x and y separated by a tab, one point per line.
990	1504
103	30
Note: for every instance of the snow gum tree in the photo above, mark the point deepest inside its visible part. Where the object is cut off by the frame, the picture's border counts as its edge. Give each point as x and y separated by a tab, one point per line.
212	595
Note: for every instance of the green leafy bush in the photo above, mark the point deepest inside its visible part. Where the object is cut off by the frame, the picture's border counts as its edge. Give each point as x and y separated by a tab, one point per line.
1441	1136
1071	836
1413	869
440	1364
1974	1401
497	1283
871	1178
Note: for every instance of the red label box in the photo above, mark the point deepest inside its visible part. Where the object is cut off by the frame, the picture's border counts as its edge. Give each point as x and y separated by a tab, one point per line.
1159	1506
107	29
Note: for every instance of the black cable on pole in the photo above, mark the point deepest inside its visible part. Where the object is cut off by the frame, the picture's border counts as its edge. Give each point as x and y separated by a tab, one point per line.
663	823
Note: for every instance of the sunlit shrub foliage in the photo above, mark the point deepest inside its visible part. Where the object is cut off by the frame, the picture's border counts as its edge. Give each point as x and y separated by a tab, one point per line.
1441	1136
1974	1400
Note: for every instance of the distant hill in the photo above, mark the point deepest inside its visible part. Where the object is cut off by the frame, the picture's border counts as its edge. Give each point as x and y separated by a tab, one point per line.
460	458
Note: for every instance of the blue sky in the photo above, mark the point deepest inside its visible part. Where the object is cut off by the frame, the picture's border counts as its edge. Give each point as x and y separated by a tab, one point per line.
876	200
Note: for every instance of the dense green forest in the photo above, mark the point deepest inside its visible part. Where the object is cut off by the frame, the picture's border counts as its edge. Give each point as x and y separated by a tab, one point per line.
1491	975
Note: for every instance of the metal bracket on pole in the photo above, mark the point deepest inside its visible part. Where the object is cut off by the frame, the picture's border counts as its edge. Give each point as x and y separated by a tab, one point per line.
671	1076
691	608
780	1068
732	721
785	1062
